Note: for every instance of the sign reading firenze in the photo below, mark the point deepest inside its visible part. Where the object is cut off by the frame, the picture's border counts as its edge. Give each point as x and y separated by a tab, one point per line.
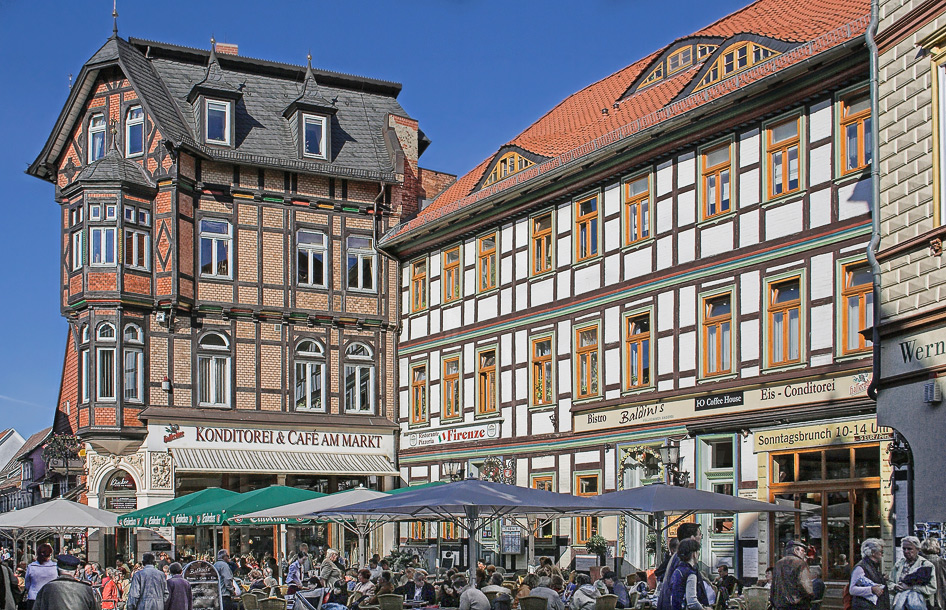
449	436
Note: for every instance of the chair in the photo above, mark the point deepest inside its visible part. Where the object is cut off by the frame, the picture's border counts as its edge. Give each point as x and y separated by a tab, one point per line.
536	602
632	598
606	602
250	601
757	598
512	586
272	603
354	597
491	595
391	601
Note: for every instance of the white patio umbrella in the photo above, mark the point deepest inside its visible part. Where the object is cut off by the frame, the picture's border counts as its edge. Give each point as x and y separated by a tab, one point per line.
59	516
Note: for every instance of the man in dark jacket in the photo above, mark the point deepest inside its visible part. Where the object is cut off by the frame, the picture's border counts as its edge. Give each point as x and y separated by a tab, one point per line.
179	590
67	593
791	580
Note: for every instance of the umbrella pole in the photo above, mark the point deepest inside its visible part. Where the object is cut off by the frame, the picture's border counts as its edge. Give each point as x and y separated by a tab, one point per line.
658	547
531	522
472	516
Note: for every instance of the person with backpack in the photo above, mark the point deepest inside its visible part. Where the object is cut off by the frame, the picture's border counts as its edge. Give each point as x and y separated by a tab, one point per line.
684	586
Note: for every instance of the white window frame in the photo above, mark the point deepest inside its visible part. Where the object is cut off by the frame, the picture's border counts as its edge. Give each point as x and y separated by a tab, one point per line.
140	239
216	239
101	368
111	211
134	122
98	236
214	354
78	250
133	339
85	376
312	118
95	212
307	360
360	254
217	105
311	250
96	131
359	365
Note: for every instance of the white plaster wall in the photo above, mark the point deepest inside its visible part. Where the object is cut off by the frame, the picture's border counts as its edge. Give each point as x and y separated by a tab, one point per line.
716	239
783	220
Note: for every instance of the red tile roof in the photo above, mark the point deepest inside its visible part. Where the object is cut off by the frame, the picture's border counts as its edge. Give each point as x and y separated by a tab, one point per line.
577	125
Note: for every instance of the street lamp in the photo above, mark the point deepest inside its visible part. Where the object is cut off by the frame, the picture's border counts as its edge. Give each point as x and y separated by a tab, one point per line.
670	460
454	470
46	489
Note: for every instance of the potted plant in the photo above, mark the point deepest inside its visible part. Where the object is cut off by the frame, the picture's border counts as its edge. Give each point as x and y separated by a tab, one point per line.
597	545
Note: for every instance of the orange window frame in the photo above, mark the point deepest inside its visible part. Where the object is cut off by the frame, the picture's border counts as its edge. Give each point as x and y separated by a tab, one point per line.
542	373
541	244
718	174
448	530
586	526
723	356
637	211
418	285
451	275
860	293
417	530
782	147
451	388
486	262
681	63
544	483
587	362
785	310
586	226
419	403
860	121
639	339
486	374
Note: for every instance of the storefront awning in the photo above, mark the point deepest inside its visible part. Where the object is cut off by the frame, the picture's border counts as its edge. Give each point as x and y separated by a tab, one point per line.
281	462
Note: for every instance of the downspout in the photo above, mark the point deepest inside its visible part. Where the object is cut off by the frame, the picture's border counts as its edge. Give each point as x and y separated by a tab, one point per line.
874	245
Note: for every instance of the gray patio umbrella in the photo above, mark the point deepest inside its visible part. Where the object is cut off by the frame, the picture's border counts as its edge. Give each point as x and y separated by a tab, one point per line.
59	516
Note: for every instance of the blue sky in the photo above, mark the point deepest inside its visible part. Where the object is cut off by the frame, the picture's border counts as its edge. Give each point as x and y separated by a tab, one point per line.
474	72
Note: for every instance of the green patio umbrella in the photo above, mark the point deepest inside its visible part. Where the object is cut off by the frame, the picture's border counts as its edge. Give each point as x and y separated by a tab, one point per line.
158	515
218	511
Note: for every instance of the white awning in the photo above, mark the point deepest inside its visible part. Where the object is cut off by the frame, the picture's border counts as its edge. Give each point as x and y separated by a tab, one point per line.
281	462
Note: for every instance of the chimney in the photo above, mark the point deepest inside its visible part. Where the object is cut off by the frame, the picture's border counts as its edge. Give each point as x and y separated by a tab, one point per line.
227	48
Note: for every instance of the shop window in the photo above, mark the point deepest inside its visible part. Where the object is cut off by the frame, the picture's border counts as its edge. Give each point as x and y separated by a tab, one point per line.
311	249
452	275
586	527
637	351
215	246
486	262
586	228
857	309
361	263
541	243
784	322
134	132
419	412
359	379
715	164
213	370
636	210
586	361
486	376
855	132
418	285
451	387
542	371
96	137
133	363
717	335
310	376
545	483
783	169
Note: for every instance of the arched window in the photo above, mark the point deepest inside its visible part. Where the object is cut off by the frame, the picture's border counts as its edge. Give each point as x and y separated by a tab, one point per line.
359	379
310	376
213	370
96	137
84	334
105	361
134	132
105	332
133	363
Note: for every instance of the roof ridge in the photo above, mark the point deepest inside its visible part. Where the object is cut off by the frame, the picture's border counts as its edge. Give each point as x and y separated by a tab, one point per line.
722	19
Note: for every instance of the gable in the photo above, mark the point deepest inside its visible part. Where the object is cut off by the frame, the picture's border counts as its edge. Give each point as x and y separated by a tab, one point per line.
509	160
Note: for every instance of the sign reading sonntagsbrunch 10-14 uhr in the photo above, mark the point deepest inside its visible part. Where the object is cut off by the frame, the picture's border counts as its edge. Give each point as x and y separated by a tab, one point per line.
822	389
171	436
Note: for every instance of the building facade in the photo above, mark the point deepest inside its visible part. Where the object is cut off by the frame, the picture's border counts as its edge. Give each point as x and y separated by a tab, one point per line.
231	320
911	43
675	253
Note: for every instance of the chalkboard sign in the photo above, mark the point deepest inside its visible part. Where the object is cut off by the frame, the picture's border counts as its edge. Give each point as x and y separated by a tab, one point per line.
205	585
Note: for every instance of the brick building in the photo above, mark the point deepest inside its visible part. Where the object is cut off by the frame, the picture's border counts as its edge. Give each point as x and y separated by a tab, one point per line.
675	253
231	320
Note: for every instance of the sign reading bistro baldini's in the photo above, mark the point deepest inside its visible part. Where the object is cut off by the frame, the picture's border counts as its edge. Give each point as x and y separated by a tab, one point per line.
822	389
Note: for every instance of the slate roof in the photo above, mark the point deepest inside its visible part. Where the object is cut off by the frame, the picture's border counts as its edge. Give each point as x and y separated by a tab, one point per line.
10	471
577	127
114	167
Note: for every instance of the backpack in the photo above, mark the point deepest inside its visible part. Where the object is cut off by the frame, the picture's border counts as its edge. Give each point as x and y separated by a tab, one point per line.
846	597
503	601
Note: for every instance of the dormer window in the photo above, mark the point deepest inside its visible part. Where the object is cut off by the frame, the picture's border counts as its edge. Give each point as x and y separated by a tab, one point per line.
509	164
217	121
735	58
96	137
134	132
313	134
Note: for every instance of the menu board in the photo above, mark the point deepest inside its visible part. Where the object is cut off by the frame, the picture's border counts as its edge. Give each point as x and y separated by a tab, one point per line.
205	585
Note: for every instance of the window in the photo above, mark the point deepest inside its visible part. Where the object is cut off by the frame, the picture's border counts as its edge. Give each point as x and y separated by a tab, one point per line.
314	136
784	322
102	245
111	212
451	388
542	371
655	75
417	530
137	249
704	50
85	373
717	335
782	157
545	482
310	376
509	164
586	362
218	122
637	352
721	454
857	296
586	485
95	212
679	59
134	132
77	250
486	375
486	262
541	243
736	58
96	137
144	218
716	164
75	215
452	275
213	370
586	228
855	132
419	412
636	210
310	258
359	379
133	365
448	530
361	261
215	243
418	285
105	362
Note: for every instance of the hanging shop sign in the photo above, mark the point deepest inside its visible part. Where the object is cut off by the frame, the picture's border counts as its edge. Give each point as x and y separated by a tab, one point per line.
453	435
913	353
821	435
174	436
821	389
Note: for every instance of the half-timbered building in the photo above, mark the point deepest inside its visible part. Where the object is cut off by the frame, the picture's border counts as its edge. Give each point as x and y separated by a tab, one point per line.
674	253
